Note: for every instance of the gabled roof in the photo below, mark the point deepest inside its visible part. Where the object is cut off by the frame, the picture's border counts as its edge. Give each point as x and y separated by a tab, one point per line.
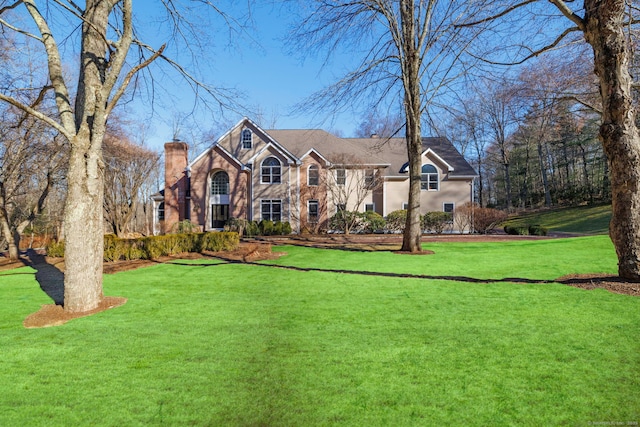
269	140
394	151
218	147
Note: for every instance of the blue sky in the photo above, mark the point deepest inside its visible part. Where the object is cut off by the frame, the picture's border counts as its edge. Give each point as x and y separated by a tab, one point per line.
256	64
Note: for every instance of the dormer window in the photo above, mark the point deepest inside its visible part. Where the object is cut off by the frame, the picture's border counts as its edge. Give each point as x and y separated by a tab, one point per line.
247	139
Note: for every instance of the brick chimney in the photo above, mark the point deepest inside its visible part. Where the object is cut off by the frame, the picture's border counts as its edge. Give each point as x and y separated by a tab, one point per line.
175	183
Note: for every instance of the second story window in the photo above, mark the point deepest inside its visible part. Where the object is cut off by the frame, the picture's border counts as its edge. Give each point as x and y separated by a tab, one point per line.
369	178
341	176
270	171
313	175
247	139
220	183
429	178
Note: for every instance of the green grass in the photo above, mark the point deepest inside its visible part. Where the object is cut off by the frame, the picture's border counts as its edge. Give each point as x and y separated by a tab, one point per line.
581	219
248	345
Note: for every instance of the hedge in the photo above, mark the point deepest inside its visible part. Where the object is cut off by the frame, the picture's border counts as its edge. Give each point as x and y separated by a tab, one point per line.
153	247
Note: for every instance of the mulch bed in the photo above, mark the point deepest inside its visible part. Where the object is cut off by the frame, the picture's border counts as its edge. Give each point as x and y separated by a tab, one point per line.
260	249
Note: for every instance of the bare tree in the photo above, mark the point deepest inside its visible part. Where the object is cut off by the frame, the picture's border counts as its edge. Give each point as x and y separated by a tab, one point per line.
127	168
410	51
107	66
607	26
31	162
383	126
349	182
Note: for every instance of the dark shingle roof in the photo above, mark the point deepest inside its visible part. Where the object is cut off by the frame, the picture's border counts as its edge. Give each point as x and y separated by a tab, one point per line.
394	152
390	152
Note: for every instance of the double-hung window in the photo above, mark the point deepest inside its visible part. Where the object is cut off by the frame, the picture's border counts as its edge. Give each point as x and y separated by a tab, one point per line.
341	176
369	178
247	139
270	171
271	209
313	175
312	207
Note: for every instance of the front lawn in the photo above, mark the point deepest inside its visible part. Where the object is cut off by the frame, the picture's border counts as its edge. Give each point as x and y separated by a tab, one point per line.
238	345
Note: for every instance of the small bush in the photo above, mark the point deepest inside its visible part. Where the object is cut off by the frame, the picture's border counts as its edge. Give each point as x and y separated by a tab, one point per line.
486	219
344	221
396	220
516	230
185	226
537	230
266	227
372	222
286	228
436	221
219	241
55	249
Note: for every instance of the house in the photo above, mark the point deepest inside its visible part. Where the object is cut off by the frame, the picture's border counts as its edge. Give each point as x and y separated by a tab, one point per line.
303	177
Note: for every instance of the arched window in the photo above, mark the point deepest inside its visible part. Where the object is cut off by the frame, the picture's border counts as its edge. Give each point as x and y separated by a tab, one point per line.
429	178
313	175
247	139
220	183
270	171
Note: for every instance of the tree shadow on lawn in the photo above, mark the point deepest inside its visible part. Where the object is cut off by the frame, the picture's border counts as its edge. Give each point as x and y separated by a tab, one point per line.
591	281
50	277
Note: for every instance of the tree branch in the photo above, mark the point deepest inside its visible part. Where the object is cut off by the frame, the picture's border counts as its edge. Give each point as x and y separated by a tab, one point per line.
120	91
38	115
63	100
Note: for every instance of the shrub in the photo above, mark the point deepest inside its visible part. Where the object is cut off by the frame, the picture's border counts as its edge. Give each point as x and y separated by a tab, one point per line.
372	222
252	229
216	242
537	230
436	221
344	221
516	230
396	220
185	226
486	219
286	228
266	227
55	249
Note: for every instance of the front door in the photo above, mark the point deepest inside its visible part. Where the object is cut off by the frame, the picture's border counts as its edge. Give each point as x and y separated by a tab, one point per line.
219	215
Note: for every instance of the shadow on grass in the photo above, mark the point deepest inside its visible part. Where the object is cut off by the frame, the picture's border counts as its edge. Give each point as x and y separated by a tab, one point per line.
377	273
50	278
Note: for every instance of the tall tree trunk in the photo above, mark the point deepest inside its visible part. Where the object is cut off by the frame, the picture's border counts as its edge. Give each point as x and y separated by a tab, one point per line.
8	234
83	214
543	174
84	229
604	31
413	108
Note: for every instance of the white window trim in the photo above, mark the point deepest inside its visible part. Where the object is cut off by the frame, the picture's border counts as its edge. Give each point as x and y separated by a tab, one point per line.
271	174
271	203
317	218
429	175
242	141
309	175
373	207
449	203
